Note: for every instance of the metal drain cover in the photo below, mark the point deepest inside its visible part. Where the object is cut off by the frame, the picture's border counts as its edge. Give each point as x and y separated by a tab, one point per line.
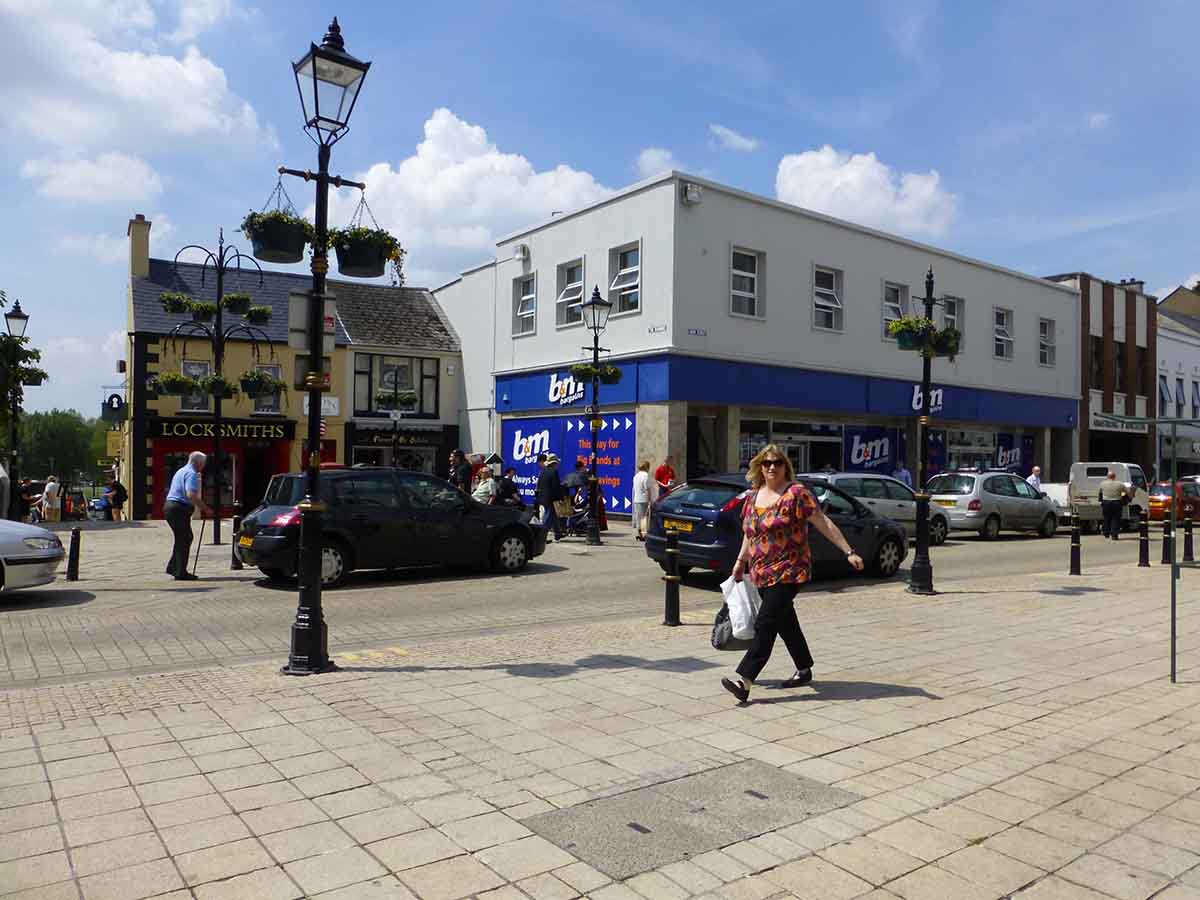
640	830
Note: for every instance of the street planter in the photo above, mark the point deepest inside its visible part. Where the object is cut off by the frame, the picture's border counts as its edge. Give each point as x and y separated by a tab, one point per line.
260	384
237	304
363	252
174	384
946	342
175	303
217	386
277	236
203	312
258	315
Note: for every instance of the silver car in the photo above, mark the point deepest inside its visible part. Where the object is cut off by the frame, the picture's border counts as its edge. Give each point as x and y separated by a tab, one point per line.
989	502
29	556
891	498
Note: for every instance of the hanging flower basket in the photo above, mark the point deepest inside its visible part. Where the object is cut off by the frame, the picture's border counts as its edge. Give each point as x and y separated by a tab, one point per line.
405	401
258	315
911	332
217	385
261	384
236	303
174	384
175	303
33	377
277	236
363	252
586	372
946	342
203	312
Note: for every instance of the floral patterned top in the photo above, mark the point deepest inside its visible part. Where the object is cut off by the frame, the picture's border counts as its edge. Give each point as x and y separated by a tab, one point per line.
779	551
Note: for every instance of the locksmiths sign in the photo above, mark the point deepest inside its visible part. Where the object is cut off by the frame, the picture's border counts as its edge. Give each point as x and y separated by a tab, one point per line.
235	429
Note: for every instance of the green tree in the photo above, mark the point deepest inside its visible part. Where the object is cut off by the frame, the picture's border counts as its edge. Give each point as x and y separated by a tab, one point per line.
58	442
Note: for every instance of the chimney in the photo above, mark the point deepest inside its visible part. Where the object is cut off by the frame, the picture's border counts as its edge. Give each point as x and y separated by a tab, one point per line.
139	246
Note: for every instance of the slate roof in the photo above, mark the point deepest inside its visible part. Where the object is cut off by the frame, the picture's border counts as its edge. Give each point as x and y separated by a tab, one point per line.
367	313
1189	322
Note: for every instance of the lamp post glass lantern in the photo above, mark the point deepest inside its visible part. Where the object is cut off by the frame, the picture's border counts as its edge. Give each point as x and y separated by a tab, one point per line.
328	80
595	315
16	320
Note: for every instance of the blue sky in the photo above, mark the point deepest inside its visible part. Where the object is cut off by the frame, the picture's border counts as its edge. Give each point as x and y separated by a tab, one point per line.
1045	137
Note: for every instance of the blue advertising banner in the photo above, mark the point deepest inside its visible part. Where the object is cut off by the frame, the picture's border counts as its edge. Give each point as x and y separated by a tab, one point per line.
870	449
558	389
571	438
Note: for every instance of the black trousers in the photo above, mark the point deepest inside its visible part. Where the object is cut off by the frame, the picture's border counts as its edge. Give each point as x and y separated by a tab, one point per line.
776	616
179	517
1112	517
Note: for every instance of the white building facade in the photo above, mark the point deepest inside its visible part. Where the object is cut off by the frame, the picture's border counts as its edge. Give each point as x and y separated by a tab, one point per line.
1178	391
738	320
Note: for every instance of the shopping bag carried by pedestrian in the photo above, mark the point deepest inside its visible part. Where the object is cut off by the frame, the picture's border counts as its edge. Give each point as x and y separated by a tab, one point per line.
722	633
743	601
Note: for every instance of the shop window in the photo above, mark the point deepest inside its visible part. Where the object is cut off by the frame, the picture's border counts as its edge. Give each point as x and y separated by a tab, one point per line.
270	404
1002	333
625	291
1046	347
570	294
827	299
524	305
753	437
195	368
895	305
744	283
375	374
1096	366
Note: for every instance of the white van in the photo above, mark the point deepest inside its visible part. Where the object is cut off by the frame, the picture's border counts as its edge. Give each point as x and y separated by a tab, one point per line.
1084	491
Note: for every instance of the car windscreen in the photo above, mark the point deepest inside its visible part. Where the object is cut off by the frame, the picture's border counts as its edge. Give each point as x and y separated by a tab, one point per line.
1161	490
704	495
951	484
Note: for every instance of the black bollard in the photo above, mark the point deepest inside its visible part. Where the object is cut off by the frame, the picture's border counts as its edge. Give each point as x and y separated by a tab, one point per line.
235	562
1188	555
1144	542
1166	543
1075	567
671	579
73	556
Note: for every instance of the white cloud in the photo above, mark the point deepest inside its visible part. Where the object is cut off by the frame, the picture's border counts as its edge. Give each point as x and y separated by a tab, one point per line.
113	248
78	365
1098	120
449	200
196	16
88	75
1188	282
110	178
655	161
732	140
862	189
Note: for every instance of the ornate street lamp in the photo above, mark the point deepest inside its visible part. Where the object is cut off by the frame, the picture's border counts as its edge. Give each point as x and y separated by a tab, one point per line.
16	320
920	575
329	80
595	315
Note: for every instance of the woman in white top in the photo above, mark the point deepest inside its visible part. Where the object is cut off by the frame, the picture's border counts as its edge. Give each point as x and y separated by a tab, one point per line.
641	499
52	500
485	488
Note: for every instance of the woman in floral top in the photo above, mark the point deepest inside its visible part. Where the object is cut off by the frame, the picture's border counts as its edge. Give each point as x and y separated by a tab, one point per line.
775	554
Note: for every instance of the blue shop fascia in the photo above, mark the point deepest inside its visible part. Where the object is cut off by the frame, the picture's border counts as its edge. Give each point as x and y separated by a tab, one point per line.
713	415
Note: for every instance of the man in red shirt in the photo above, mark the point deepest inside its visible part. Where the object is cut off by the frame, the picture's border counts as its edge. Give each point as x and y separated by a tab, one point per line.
665	475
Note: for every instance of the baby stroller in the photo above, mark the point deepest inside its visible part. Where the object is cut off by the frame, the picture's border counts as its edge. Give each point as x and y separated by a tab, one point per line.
581	518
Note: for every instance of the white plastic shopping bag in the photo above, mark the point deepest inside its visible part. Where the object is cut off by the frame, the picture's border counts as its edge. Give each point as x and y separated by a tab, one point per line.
743	601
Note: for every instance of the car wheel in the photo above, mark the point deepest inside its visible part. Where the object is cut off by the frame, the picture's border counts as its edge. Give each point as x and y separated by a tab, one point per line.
510	553
887	558
335	565
1049	526
273	574
991	528
938	530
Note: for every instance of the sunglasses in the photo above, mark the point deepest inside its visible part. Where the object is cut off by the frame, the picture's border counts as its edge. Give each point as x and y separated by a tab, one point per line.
771	463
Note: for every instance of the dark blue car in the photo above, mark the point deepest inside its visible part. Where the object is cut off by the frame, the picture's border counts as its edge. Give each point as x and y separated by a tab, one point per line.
707	514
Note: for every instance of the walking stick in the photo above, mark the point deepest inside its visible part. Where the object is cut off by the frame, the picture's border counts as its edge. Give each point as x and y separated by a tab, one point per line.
196	562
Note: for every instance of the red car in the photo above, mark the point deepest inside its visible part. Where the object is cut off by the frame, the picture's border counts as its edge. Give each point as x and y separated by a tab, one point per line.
1187	496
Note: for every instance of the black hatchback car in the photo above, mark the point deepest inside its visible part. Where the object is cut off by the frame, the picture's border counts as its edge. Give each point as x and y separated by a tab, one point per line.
382	518
707	514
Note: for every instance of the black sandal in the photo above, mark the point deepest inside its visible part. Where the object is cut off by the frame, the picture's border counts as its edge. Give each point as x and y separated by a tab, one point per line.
736	688
799	679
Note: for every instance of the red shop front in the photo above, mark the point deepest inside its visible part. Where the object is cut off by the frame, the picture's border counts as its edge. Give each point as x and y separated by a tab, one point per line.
251	450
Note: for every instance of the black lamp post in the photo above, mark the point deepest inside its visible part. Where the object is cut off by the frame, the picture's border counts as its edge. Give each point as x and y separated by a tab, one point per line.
920	576
16	320
328	79
595	315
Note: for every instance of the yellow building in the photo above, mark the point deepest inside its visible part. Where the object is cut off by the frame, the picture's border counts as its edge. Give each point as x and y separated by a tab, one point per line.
260	437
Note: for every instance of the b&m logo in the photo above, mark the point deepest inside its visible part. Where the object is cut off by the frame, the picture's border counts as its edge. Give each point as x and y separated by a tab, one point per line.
870	454
935	399
565	392
1006	458
526	449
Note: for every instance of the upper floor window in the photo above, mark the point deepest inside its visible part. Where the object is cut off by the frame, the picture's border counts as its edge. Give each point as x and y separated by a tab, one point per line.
524	305
570	293
1046	348
952	313
1002	333
1180	399
1096	364
1119	366
743	283
827	298
1143	374
625	291
195	368
1196	400
1164	395
269	403
408	383
895	304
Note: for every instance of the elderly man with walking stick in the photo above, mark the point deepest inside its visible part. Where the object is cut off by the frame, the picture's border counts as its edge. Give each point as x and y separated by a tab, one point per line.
184	497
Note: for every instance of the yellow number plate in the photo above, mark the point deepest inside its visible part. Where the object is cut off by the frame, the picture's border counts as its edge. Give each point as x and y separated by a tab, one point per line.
245	541
946	502
677	525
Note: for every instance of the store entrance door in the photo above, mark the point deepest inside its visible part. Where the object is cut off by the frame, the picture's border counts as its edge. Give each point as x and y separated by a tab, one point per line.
814	455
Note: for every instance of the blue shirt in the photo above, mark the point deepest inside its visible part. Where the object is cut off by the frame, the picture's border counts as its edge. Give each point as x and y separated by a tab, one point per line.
903	475
184	480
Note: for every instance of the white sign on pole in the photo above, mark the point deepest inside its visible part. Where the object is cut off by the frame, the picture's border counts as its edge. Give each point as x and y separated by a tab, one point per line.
330	406
395	415
298	321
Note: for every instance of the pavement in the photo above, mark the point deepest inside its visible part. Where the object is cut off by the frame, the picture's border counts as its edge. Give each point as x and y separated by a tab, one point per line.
1015	735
